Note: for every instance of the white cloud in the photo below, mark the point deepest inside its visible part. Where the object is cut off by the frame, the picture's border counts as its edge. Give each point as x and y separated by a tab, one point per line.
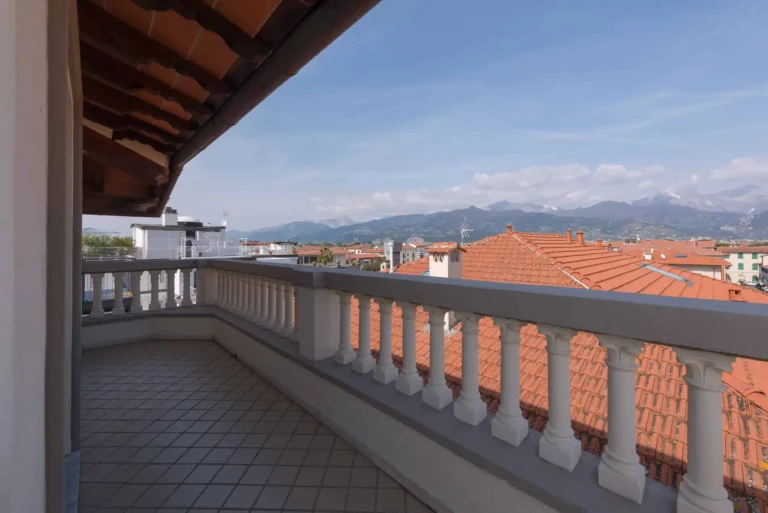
645	185
745	168
616	173
531	176
383	197
695	179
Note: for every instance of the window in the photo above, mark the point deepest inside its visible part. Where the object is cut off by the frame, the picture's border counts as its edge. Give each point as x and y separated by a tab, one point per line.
741	267
754	267
754	279
741	255
754	256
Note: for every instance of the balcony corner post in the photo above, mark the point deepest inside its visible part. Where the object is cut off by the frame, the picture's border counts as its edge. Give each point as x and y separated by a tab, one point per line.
509	424
317	323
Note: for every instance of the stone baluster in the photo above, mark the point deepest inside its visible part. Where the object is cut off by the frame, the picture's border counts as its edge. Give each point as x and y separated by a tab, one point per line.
264	301
170	289
279	307
620	470
253	309
702	489
272	316
469	407
364	363
409	382
231	292
437	394
239	294
227	286
244	280
154	293
296	335
385	371
136	305
345	354
118	307
558	445
97	308
257	300
509	424
186	276
288	325
219	288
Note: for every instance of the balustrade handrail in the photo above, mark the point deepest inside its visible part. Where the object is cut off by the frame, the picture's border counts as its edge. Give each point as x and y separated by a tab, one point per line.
732	328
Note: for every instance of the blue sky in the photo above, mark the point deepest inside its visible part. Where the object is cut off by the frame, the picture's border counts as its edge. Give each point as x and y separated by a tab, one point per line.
431	105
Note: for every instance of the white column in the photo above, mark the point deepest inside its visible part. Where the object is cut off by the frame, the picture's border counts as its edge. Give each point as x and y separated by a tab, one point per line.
186	276
226	289
154	280
364	362
118	308
97	309
409	382
253	311
170	289
385	371
345	354
620	470
702	488
231	293
509	424
289	304
279	307
558	445
272	306
469	407
239	293
436	394
257	299
295	336
219	289
136	305
264	302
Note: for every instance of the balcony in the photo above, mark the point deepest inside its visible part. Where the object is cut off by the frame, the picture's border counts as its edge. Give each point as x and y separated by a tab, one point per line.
338	349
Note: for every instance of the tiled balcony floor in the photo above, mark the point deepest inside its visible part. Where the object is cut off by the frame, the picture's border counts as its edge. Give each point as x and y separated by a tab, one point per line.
184	427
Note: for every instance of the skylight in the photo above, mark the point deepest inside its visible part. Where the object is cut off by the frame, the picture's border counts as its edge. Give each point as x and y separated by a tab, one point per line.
668	274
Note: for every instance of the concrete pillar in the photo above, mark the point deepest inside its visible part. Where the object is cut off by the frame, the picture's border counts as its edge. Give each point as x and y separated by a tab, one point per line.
409	382
345	354
170	289
118	307
97	309
509	424
558	445
364	363
318	323
385	371
702	489
470	407
437	394
620	470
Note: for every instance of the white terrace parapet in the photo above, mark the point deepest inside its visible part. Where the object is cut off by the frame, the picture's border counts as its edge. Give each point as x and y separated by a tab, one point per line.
312	306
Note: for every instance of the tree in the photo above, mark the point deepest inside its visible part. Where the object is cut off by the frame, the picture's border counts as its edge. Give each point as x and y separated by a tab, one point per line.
374	265
325	257
96	246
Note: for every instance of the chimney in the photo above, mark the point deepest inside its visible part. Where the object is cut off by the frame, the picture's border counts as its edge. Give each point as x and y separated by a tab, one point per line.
170	217
580	238
600	243
568	235
392	253
509	228
445	262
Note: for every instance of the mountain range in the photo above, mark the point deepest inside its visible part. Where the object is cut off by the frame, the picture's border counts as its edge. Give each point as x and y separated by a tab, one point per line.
736	213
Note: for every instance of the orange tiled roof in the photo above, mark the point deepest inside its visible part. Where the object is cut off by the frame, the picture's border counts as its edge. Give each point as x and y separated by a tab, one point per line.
743	249
444	247
679	257
548	259
315	250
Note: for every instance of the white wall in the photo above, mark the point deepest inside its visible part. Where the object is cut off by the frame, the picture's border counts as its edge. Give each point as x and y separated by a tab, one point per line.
23	211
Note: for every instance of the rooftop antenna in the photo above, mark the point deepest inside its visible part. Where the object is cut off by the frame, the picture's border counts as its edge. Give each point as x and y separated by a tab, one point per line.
465	229
226	214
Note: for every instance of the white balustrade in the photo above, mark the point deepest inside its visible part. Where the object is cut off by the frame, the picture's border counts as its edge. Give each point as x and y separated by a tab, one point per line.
437	394
97	308
558	445
264	317
346	353
154	293
409	382
289	309
509	424
620	470
364	363
118	307
702	488
256	299
170	288
220	293
272	315
385	371
469	407
136	305
252	308
279	307
239	294
295	303
186	276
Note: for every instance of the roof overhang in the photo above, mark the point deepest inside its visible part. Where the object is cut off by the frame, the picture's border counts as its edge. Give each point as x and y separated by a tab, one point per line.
163	79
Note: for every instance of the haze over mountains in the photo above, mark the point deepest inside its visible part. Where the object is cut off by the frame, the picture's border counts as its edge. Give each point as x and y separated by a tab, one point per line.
735	213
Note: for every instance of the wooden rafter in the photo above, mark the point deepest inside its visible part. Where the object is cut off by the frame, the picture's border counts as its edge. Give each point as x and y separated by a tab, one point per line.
247	47
122	76
118	102
108	32
133	135
124	121
117	205
107	152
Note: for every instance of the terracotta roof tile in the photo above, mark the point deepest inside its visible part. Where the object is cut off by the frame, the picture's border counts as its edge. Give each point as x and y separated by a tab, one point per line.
542	259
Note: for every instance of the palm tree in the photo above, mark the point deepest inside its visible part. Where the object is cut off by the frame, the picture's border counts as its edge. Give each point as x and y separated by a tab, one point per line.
325	257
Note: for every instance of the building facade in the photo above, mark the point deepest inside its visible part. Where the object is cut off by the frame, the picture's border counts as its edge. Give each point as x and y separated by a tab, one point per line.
745	263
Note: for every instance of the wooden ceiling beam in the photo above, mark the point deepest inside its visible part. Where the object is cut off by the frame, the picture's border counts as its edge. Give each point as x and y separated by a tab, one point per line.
124	121
107	152
120	75
118	102
109	32
133	135
116	205
247	47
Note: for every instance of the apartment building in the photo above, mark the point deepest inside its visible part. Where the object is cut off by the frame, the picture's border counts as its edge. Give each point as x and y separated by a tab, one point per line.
745	263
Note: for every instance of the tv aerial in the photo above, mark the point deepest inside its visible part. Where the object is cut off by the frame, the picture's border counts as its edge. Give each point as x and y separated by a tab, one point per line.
465	229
